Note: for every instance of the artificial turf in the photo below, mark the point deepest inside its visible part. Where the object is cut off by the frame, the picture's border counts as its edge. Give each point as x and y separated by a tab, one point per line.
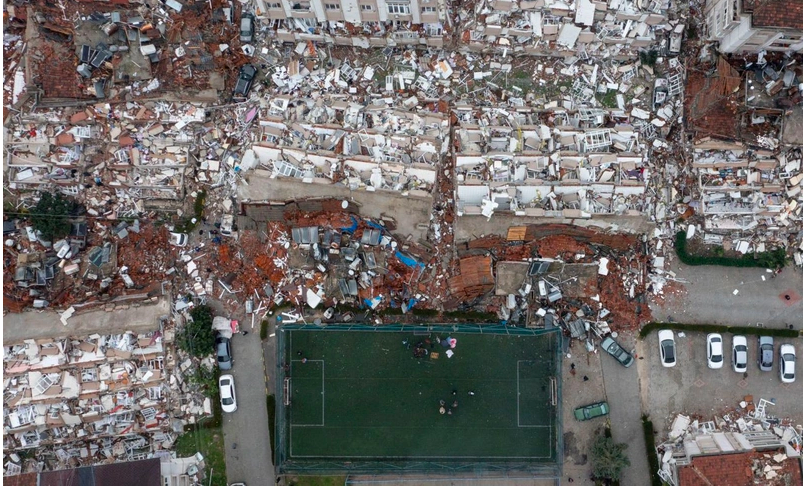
363	395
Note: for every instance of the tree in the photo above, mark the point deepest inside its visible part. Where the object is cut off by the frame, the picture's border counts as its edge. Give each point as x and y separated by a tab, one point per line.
197	337
608	459
50	216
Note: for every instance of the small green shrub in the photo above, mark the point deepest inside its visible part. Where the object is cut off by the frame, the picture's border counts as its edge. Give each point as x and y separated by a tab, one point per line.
270	402
706	328
772	259
264	330
650	447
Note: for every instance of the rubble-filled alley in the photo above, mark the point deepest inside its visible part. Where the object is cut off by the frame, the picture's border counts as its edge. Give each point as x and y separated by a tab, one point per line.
314	162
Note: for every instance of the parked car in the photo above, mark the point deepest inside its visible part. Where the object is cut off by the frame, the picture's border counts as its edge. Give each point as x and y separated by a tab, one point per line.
739	354
244	81
667	348
584	413
246	28
615	350
178	239
787	363
223	347
227	225
228	397
714	350
765	354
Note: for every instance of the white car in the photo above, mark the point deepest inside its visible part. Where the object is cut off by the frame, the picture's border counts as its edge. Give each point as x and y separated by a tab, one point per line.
714	350
228	397
178	239
787	363
739	354
667	348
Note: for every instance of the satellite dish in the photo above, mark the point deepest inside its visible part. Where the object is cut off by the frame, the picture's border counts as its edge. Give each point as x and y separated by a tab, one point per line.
344	204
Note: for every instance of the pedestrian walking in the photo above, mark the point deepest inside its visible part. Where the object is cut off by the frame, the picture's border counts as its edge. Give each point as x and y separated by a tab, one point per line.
585	378
304	360
471	393
455	404
244	333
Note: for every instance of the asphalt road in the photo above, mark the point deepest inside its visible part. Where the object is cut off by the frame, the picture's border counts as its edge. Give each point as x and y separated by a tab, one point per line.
622	393
246	434
710	298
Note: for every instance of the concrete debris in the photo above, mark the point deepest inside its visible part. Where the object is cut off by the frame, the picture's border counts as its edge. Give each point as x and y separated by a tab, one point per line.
90	400
771	446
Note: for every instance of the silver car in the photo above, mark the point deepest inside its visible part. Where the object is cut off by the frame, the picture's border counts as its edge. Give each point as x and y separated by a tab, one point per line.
765	354
615	350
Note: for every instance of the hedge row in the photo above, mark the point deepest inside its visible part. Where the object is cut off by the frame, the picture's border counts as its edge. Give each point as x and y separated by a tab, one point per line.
736	330
771	260
650	447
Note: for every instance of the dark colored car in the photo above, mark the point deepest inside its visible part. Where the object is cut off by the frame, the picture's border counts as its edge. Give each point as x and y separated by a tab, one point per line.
584	413
223	350
244	81
615	350
765	354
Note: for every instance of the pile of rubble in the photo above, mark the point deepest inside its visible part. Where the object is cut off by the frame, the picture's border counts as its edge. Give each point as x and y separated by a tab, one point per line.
748	428
329	259
86	401
453	107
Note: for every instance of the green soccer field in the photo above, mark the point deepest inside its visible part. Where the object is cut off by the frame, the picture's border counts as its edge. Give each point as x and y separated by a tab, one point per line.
362	395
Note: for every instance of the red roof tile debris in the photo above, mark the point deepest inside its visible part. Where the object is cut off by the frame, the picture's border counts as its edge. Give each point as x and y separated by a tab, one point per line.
711	101
476	277
730	469
56	72
786	14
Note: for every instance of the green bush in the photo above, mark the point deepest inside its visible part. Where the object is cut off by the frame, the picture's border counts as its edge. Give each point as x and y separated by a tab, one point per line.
50	216
424	312
772	259
207	379
264	330
608	459
705	328
197	337
270	402
650	447
473	316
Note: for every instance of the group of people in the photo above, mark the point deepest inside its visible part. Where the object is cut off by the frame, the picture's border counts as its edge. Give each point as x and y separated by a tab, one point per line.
420	350
442	404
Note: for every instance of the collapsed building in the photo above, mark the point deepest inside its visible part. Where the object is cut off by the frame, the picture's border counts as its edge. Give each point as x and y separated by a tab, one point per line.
746	445
565	111
84	401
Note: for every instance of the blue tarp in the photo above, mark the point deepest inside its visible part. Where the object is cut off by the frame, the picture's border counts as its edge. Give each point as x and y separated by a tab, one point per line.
375	225
407	260
352	228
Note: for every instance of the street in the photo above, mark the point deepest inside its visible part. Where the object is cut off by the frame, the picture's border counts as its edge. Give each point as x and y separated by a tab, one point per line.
710	298
246	433
622	392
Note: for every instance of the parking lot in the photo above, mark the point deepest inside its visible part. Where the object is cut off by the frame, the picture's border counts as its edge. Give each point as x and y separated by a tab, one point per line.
692	388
